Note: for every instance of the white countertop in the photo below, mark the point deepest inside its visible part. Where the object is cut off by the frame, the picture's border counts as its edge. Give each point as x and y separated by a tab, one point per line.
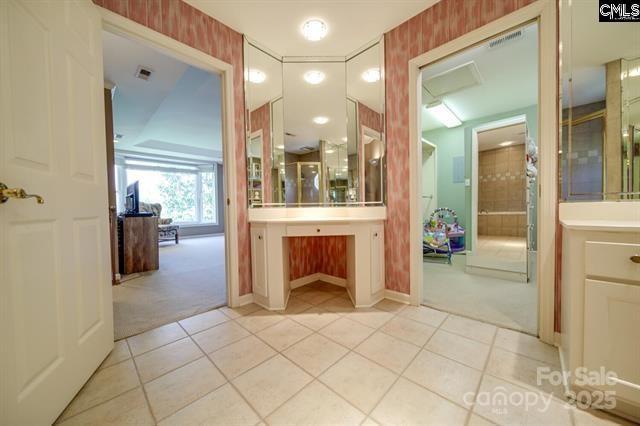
317	215
601	225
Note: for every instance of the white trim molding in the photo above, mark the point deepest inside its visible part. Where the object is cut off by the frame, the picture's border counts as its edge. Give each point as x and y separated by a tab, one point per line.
318	276
125	27
544	12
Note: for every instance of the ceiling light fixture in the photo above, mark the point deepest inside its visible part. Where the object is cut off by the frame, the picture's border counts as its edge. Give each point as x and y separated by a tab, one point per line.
314	30
280	146
320	120
329	151
443	114
314	77
371	75
344	139
506	143
255	76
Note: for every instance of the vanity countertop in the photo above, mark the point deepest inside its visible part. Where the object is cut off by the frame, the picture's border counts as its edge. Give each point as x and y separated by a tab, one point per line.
317	215
601	225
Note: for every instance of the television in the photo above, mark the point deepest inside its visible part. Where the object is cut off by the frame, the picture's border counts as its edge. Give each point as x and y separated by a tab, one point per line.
132	199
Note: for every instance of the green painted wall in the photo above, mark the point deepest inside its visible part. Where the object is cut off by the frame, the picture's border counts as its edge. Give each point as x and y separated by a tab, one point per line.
457	142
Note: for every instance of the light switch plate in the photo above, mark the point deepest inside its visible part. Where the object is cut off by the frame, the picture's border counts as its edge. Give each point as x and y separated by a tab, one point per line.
467	182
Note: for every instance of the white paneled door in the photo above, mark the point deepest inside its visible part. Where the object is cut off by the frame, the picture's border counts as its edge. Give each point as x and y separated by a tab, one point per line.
55	299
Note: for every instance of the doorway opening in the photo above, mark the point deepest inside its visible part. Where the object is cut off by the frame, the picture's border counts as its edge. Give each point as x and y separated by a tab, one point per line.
166	190
479	199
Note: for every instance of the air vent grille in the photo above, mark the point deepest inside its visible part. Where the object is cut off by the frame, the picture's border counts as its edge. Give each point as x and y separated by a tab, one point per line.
501	41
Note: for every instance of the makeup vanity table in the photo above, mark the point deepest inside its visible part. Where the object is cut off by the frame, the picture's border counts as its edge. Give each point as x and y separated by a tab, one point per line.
271	230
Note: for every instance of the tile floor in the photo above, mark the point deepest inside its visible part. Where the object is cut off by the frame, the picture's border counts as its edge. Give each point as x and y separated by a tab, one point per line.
322	362
512	248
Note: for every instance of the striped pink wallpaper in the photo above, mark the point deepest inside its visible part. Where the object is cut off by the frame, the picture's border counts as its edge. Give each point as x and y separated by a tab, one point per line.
444	21
309	255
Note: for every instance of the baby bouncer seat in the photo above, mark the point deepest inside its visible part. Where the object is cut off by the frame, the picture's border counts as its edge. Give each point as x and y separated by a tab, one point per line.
442	235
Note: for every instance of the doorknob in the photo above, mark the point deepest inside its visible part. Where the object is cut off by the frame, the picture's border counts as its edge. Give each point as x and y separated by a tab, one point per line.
6	193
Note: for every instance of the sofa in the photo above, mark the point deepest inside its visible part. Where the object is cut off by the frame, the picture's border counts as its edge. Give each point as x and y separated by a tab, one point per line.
167	231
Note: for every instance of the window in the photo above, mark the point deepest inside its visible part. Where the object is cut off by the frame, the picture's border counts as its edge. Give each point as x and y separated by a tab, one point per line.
186	192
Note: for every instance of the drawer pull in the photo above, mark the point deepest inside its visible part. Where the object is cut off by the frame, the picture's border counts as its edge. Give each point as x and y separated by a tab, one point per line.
318	230
635	258
259	237
375	234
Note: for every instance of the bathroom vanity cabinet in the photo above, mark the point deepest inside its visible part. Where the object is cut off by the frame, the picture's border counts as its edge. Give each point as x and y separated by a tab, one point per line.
363	252
601	306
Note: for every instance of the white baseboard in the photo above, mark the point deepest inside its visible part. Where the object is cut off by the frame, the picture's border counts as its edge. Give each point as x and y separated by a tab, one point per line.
318	276
245	299
496	273
396	296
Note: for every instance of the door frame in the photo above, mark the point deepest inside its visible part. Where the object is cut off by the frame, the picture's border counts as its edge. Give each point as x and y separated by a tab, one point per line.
496	124
545	13
116	24
434	200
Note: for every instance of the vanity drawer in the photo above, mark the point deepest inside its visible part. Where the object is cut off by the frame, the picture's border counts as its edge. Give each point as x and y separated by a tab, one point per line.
320	230
612	260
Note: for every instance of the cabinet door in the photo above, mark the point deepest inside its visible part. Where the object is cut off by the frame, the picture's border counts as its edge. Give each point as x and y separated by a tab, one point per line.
377	258
259	261
612	335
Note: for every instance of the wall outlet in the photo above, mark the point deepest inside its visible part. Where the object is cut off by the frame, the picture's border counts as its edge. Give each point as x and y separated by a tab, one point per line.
467	182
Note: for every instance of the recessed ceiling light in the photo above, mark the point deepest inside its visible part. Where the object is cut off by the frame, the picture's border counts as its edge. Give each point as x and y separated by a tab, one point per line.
280	146
314	77
320	120
255	76
506	143
371	75
344	139
314	29
443	114
330	151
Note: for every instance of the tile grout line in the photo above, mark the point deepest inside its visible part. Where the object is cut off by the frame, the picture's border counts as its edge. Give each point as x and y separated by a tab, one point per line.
484	371
144	391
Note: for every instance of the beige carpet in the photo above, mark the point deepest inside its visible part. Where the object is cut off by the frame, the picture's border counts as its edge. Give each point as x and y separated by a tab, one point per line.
504	303
191	280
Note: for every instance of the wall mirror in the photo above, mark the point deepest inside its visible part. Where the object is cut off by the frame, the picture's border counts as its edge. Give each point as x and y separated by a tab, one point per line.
315	133
600	142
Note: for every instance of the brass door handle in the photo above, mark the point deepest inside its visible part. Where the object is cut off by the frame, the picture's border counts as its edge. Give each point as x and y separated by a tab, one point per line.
635	258
19	193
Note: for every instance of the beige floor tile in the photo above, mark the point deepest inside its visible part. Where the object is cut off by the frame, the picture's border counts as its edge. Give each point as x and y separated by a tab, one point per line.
522	371
155	338
315	318
315	297
360	381
468	352
316	405
219	336
203	321
271	383
284	334
370	317
130	408
472	329
168	393
259	320
324	286
596	418
527	345
240	311
102	386
409	330
390	306
315	354
295	306
224	406
424	315
540	409
339	305
346	332
169	357
388	351
409	404
445	377
119	353
369	422
476	420
240	356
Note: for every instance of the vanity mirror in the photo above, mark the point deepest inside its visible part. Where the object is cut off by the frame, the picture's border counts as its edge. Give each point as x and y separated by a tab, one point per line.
600	143
315	133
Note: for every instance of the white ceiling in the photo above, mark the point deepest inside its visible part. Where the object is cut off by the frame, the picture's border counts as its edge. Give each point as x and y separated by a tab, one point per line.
276	24
491	139
588	45
177	112
509	79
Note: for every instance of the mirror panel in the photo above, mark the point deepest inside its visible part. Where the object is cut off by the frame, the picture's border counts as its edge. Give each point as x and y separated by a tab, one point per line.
315	129
600	102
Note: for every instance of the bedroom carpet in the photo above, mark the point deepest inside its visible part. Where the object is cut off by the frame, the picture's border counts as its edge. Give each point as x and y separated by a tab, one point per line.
191	280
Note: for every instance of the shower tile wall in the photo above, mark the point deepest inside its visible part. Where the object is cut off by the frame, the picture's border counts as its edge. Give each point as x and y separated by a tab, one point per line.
501	188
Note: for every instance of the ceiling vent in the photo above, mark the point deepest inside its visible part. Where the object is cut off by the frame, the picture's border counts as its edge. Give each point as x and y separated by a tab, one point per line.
453	80
144	73
507	38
